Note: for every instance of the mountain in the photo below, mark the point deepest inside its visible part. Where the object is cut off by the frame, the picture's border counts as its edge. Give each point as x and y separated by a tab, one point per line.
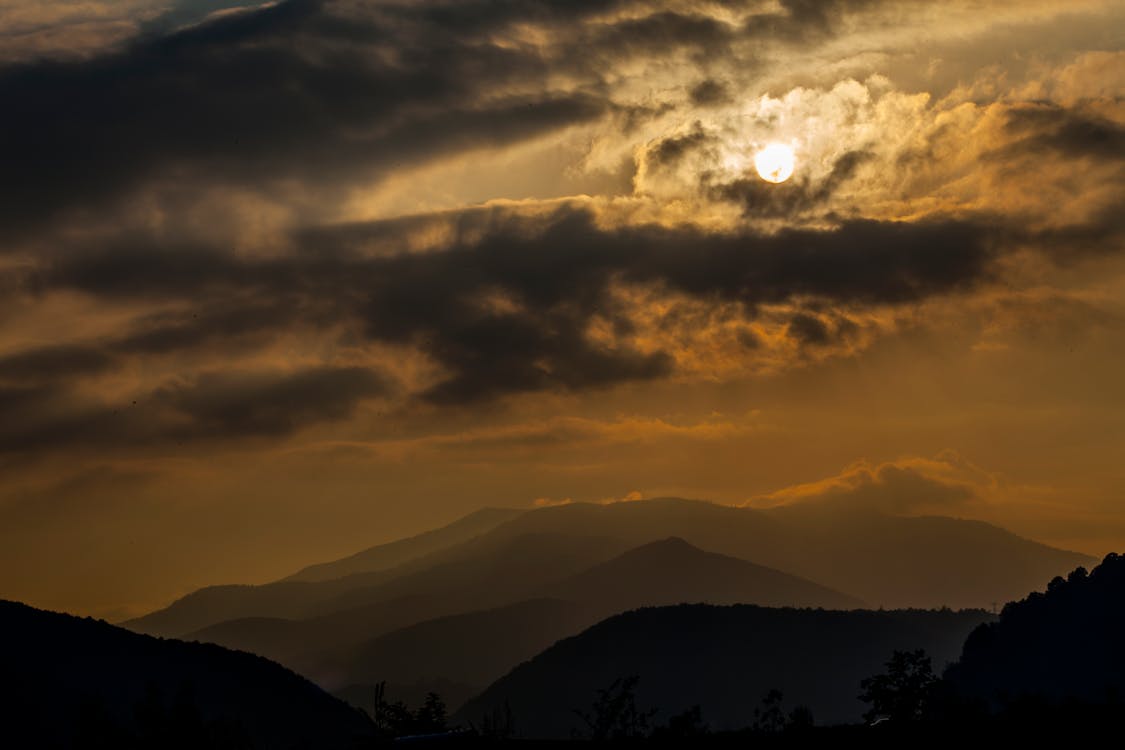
722	658
359	645
884	560
316	589
476	577
888	561
474	648
80	682
1066	643
672	571
398	552
478	647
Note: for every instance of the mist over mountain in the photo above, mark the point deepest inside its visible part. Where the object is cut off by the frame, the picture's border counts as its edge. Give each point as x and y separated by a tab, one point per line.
350	645
395	553
477	648
722	658
74	682
888	561
884	560
596	561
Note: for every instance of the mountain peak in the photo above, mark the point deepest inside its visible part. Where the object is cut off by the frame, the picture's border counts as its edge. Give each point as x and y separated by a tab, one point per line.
670	544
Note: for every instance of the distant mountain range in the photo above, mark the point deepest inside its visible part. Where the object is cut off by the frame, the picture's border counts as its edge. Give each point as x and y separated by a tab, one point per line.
478	647
386	556
74	682
724	659
556	570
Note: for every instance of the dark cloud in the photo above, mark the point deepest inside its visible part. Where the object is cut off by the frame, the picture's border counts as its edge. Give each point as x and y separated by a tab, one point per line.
664	33
183	13
553	278
294	90
809	329
236	324
802	19
49	363
237	404
668	151
325	93
211	406
710	92
1049	127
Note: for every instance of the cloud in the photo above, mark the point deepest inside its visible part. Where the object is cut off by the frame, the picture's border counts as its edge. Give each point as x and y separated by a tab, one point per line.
944	485
703	271
212	406
292	90
50	363
508	304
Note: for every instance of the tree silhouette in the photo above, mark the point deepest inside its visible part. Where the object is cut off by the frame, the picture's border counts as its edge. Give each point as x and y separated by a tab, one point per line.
614	715
683	726
800	719
431	716
903	692
396	719
498	724
768	717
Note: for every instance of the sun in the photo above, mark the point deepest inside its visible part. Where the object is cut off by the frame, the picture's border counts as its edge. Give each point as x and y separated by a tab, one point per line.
775	162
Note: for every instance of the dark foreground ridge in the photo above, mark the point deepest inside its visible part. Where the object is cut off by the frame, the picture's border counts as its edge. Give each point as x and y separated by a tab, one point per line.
723	659
1064	645
83	683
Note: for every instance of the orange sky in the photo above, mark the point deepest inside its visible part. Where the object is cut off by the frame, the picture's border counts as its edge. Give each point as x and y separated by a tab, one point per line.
280	282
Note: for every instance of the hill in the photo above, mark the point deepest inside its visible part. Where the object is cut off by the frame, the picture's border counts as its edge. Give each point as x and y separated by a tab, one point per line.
1064	644
722	658
672	571
478	647
79	682
474	648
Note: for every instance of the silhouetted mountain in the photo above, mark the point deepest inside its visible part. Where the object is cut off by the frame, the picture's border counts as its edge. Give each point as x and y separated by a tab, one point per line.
212	604
401	551
477	577
71	681
884	560
330	649
1067	643
486	571
887	561
317	626
672	571
722	658
474	648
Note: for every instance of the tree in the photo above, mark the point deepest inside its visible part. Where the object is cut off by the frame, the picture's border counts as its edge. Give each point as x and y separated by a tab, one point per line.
498	724
683	726
396	719
615	715
800	719
431	716
903	692
768	717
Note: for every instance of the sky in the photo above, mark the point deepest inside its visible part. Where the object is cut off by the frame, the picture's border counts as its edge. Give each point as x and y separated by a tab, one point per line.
282	281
